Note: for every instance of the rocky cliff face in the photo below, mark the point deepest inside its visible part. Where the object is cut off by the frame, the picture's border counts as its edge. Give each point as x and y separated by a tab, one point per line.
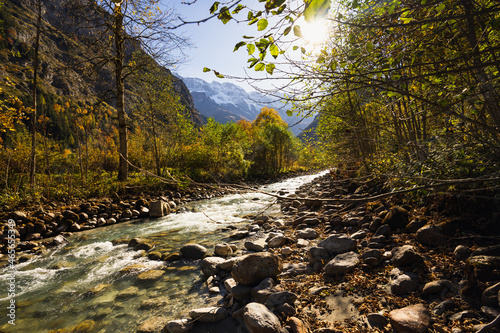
64	70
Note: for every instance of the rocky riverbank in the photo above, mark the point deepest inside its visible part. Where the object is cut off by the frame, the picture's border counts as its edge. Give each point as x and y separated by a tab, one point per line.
374	266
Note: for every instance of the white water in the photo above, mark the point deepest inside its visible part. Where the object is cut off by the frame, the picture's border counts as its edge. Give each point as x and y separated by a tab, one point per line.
52	290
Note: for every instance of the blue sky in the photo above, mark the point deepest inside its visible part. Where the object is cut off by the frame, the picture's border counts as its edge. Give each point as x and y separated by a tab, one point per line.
213	43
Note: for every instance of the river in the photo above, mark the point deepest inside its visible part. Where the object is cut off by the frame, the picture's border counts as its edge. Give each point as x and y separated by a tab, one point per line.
80	283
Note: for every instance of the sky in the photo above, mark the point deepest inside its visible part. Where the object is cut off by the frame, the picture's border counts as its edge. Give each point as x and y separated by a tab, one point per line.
213	44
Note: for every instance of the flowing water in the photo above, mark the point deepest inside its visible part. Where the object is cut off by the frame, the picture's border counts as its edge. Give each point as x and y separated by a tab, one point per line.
80	283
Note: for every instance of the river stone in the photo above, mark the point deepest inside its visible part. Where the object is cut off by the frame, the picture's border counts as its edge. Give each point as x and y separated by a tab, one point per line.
280	298
404	284
342	263
461	252
179	326
193	251
405	255
490	295
258	319
240	292
276	241
127	293
411	319
307	233
265	289
377	320
338	244
396	218
435	287
158	208
151	275
208	315
209	265
223	250
297	325
257	245
431	235
253	268
59	240
228	264
152	325
153	303
484	268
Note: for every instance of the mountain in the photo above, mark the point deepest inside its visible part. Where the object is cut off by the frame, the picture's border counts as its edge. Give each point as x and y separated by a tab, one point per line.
63	54
229	102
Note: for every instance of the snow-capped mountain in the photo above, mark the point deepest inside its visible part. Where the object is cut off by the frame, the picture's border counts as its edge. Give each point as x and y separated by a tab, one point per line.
228	102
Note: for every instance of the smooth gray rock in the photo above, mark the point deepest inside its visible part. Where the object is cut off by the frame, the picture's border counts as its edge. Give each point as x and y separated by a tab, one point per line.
210	265
255	245
377	320
281	298
307	233
193	251
431	235
208	315
276	241
259	319
158	208
404	284
405	255
223	250
342	263
265	289
179	326
337	244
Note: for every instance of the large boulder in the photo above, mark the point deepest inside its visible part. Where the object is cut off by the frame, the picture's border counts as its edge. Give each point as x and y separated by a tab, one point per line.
483	268
208	315
259	319
338	244
209	265
253	268
193	251
158	208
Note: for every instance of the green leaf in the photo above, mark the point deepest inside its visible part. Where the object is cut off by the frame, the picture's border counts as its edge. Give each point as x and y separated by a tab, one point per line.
316	9
262	24
295	47
250	48
287	31
270	68
219	75
333	66
238	9
206	69
272	4
320	60
237	46
253	21
281	9
303	50
369	46
441	7
260	67
214	7
289	113
248	37
252	62
275	51
224	15
250	15
296	31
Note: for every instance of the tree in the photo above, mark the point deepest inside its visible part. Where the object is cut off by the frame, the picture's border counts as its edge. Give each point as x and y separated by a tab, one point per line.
34	94
116	30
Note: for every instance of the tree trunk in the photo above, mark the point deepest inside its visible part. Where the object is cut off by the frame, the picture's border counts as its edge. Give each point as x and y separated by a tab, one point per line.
35	76
120	93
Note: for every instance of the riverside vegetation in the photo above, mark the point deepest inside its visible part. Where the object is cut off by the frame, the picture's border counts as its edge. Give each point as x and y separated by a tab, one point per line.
407	96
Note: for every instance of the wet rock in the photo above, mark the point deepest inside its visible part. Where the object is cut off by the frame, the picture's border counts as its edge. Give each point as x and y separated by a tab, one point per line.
223	250
152	325
337	244
209	265
59	240
253	268
127	293
153	303
193	251
281	298
154	255
490	295
170	257
405	255
342	263
150	276
179	326
461	252
411	319
258	319
34	236
98	289
404	284
158	208
208	315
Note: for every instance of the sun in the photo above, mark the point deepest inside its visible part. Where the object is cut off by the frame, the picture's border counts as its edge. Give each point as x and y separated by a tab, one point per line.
315	33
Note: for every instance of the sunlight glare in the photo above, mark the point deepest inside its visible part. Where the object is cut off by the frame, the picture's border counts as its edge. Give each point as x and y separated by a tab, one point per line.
315	33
